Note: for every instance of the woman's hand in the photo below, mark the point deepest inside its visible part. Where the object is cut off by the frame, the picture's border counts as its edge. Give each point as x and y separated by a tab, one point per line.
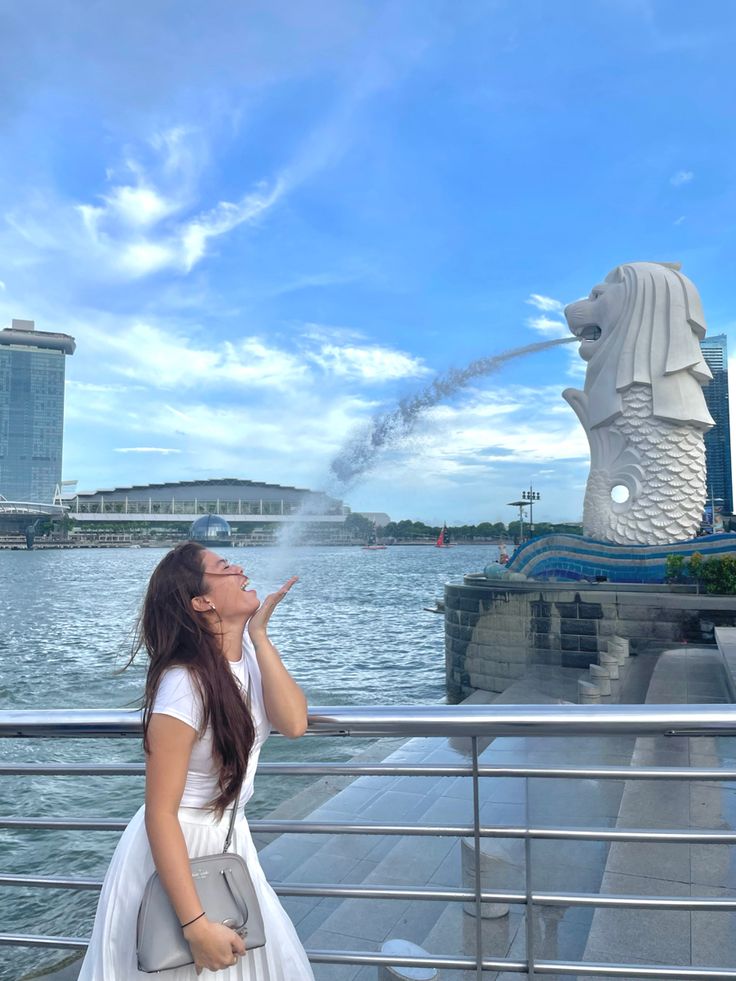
213	945
258	623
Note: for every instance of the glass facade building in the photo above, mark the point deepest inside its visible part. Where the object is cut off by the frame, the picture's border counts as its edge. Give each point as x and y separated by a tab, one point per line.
32	365
718	439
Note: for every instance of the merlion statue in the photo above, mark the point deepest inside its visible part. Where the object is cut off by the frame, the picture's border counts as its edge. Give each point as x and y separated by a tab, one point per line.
642	408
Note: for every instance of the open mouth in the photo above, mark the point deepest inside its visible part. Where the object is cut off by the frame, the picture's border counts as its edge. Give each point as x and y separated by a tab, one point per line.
591	332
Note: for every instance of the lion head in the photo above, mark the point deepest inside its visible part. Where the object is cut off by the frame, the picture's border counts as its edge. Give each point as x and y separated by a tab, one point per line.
642	325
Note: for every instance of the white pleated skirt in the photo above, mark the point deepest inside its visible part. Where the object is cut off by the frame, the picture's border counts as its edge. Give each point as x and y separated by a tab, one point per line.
112	951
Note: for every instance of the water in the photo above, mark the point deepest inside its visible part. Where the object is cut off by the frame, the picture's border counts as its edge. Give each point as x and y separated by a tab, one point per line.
352	631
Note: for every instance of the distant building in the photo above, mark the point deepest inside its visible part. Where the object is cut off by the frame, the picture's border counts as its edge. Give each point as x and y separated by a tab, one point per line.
32	365
245	505
718	439
379	518
210	529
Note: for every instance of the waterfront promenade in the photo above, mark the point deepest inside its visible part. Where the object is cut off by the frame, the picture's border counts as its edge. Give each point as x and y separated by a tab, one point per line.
687	676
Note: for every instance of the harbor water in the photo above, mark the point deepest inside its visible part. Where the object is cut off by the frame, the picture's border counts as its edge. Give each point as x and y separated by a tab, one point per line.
354	630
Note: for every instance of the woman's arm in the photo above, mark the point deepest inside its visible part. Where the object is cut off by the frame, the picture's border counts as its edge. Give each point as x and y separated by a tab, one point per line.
170	746
286	705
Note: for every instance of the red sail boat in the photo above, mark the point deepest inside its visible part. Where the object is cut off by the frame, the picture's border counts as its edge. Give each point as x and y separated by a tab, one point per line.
444	539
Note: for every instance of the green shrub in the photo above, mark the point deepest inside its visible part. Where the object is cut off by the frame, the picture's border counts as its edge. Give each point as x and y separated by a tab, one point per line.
719	574
715	575
674	568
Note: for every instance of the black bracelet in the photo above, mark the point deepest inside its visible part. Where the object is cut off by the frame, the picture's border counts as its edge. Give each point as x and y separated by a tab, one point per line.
189	923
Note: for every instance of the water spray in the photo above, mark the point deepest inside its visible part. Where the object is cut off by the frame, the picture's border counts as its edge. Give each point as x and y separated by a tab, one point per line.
360	451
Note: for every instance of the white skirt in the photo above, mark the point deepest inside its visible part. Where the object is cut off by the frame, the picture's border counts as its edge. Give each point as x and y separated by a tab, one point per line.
111	955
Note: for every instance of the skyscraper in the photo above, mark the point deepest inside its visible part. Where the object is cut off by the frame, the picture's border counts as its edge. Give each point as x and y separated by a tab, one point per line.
32	364
718	439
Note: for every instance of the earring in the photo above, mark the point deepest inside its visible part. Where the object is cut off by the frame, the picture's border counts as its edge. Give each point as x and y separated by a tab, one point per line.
212	606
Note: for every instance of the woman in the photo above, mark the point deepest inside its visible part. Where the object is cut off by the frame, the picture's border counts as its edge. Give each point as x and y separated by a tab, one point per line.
202	742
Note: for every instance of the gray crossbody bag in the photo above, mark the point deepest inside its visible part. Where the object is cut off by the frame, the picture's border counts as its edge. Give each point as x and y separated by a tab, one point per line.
225	889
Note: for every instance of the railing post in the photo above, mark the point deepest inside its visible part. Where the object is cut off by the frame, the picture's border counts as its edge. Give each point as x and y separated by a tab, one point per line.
478	881
528	884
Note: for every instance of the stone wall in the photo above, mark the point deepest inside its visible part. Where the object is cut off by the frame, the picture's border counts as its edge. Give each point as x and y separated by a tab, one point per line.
494	631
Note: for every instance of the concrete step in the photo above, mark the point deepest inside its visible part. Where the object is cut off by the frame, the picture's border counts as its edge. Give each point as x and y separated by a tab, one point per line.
686	675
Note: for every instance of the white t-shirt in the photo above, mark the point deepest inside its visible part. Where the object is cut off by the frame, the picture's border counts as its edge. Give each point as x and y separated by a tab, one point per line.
177	696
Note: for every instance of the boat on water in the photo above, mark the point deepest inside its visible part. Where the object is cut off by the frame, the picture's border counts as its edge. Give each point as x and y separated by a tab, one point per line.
372	544
443	540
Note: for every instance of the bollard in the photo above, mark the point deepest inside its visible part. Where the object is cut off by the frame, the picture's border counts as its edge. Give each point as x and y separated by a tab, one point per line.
599	676
588	693
610	663
501	868
619	647
404	948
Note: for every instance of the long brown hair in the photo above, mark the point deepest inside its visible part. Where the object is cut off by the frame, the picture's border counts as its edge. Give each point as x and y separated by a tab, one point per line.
172	633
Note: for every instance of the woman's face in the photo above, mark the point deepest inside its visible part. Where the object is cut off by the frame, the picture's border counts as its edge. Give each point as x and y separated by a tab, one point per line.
226	587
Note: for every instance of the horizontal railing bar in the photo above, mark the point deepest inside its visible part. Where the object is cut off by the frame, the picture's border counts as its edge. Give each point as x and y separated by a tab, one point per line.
72	769
29	940
289	889
680	836
345	827
664	972
404	770
64	824
316	956
46	882
392	960
447	895
628	971
499	831
610	772
412	720
691	903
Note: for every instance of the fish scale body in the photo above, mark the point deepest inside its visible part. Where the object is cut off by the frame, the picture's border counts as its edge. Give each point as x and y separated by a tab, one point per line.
669	477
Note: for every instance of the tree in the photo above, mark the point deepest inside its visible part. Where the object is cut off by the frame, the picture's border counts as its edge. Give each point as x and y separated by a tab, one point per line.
359	526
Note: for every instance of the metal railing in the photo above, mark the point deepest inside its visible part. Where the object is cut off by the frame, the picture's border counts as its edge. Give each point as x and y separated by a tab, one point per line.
475	723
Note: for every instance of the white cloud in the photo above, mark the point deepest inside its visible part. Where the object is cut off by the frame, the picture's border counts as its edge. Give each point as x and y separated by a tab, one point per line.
137	206
190	242
545	303
681	177
369	363
165	450
151	217
164	359
548	327
140	228
679	221
2	285
94	386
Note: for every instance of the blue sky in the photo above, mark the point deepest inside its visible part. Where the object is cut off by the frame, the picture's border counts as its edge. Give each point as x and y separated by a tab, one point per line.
264	222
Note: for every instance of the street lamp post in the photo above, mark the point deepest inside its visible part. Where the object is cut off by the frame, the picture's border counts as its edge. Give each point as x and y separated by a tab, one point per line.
520	505
530	497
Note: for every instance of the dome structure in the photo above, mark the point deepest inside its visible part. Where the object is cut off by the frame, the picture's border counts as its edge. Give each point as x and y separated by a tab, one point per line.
210	528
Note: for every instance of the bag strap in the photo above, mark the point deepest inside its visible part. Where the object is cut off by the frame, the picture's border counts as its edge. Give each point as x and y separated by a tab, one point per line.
234	814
